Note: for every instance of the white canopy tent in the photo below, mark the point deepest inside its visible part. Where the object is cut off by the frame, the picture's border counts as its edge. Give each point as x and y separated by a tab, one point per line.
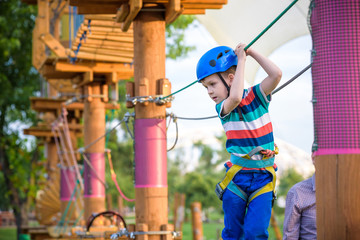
243	20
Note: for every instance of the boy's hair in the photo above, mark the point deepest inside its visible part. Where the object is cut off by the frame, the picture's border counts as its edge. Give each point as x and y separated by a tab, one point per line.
231	70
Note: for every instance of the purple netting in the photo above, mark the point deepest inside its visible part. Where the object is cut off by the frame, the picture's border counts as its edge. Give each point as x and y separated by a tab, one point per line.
336	76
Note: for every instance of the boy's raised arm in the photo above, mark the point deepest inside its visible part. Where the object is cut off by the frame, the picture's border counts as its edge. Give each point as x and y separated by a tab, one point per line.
236	82
274	73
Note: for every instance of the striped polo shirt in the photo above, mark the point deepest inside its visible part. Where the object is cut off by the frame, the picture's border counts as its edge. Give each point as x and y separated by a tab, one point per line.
254	130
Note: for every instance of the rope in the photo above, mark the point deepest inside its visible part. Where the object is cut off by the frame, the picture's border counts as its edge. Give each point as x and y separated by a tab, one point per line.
113	177
94	171
247	46
172	116
81	150
68	139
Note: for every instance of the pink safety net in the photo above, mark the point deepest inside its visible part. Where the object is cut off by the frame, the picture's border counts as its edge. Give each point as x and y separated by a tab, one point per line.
335	27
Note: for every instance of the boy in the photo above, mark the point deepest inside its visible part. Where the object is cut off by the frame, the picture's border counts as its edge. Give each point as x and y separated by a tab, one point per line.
247	190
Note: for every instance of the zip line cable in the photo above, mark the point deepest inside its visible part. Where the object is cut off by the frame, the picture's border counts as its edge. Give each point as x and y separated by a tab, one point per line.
247	46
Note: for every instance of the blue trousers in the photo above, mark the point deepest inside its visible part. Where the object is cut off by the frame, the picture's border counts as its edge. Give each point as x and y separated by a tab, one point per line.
247	222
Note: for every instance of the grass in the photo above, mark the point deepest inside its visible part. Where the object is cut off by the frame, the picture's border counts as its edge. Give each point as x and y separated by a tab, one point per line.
211	231
8	233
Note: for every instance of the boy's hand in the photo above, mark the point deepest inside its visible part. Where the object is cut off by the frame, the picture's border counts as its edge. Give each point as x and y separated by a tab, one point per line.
240	52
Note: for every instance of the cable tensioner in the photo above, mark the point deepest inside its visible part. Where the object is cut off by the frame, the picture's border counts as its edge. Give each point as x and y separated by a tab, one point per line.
158	99
131	235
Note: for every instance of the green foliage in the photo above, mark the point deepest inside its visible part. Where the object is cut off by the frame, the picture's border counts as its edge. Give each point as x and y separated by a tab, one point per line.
175	34
289	178
18	82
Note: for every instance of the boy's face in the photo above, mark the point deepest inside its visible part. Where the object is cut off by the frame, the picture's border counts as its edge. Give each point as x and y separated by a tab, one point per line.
215	88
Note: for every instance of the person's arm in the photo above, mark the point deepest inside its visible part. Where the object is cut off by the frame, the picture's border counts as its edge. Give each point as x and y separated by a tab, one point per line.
274	73
236	82
291	228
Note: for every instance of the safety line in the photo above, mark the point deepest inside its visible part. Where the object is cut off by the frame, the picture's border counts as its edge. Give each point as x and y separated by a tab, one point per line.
275	91
270	25
113	177
247	46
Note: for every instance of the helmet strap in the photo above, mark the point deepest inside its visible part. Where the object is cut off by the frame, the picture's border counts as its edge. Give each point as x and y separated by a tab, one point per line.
223	80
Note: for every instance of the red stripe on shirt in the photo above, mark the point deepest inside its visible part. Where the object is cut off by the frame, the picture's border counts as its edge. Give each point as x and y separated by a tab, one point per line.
256	133
248	99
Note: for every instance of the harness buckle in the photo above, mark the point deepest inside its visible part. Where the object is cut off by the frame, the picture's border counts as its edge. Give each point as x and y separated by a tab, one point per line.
219	191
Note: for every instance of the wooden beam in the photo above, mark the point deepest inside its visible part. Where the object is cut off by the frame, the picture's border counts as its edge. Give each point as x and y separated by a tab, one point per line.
202	6
41	104
122	12
135	7
95	67
100	17
54	45
98	9
193	11
173	10
48	71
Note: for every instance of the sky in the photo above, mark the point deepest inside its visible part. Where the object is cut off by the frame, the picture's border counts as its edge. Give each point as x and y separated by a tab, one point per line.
290	108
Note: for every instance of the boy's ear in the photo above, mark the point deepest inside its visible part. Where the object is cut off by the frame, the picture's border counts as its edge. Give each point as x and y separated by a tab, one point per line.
231	78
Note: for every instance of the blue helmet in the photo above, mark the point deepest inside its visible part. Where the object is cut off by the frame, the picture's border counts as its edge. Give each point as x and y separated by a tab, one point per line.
218	59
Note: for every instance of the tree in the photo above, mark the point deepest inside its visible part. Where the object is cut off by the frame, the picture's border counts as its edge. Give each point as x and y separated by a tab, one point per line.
287	180
18	81
175	34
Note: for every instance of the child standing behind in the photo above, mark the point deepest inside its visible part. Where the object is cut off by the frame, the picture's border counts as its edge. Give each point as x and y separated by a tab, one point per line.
247	190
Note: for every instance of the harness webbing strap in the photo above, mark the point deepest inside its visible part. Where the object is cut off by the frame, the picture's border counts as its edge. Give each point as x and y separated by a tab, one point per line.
230	174
270	187
246	161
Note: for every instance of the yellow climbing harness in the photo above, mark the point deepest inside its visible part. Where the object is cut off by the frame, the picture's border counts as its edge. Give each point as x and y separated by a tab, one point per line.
246	161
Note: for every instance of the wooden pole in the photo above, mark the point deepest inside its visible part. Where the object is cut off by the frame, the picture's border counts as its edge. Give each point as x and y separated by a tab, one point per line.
179	210
151	191
94	130
121	209
197	229
338	196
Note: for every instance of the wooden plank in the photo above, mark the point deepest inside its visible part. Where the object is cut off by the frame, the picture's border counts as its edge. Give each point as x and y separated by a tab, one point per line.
222	2
135	7
101	57
111	28
96	67
101	23
98	9
173	10
38	48
107	37
107	17
128	37
54	45
104	42
41	104
122	13
202	6
125	49
48	71
106	52
193	11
